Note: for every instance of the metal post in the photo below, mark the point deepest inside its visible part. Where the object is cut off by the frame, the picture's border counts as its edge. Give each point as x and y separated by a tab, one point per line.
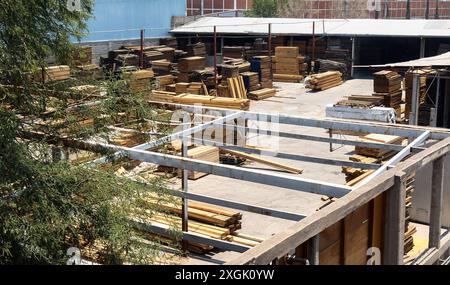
331	137
270	48
215	58
185	188
436	13
436	203
437	101
427	9
352	71
395	222
313	56
422	47
142	49
413	117
314	250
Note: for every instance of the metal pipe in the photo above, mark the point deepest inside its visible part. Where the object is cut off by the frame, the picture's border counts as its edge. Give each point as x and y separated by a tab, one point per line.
185	189
142	48
270	48
313	57
215	59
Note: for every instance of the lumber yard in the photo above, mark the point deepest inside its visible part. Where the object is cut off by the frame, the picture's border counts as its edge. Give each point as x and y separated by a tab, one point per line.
275	141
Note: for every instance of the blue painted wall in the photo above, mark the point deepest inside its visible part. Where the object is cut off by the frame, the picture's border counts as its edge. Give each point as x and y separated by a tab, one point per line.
122	19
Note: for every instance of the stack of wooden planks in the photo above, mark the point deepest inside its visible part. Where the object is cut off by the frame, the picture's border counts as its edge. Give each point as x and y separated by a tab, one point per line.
212	101
262	94
189	64
410	229
198	49
203	153
162	96
251	81
287	65
361	101
233	51
55	73
140	80
163	81
204	219
162	67
389	85
89	71
324	81
378	138
82	56
197	88
262	65
236	88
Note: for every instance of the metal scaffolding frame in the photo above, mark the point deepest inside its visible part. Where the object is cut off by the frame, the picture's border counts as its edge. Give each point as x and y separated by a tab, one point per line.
418	136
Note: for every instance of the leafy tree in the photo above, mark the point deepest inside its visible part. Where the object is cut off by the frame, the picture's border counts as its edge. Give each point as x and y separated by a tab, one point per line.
263	8
47	206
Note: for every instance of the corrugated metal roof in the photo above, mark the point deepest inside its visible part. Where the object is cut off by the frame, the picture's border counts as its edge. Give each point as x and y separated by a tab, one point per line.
331	27
433	61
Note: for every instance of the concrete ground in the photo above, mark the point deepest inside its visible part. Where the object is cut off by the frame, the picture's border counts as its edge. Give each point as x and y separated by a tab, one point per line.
292	99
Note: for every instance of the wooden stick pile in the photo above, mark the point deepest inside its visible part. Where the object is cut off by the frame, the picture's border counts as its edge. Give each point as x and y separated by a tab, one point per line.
325	81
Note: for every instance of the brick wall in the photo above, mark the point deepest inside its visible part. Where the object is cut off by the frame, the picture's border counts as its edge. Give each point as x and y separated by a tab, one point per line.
395	9
194	7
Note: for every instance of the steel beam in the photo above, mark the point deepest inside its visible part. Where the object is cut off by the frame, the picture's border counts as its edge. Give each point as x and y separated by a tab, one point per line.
251	175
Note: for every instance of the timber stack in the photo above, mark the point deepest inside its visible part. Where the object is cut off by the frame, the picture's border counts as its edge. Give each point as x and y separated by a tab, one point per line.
186	67
53	73
389	85
361	101
82	56
212	101
262	94
287	65
140	80
251	81
262	65
198	49
324	81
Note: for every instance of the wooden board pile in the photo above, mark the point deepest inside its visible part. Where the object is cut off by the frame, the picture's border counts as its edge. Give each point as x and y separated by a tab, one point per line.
88	71
389	85
162	96
234	51
197	88
262	65
361	101
339	59
287	65
212	101
140	80
251	81
262	94
323	65
54	73
198	49
82	56
186	66
203	153
409	89
162	81
324	81
205	219
162	67
236	88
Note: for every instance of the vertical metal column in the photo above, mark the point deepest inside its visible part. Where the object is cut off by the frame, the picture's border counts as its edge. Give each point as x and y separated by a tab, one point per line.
352	72
314	250
270	49
436	203
413	117
313	56
215	59
185	188
141	59
437	101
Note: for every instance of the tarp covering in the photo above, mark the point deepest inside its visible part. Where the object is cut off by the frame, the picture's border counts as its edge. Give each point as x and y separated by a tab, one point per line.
442	60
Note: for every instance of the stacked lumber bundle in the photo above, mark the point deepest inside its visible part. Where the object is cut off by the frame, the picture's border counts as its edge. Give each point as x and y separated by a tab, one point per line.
162	67
54	73
323	65
361	101
140	80
170	42
86	90
389	85
186	66
241	64
151	56
409	89
236	88
377	138
354	175
205	219
163	81
287	65
162	96
197	88
262	94
82	56
251	81
262	65
233	51
339	59
198	49
324	81
211	101
124	60
410	229
203	153
89	71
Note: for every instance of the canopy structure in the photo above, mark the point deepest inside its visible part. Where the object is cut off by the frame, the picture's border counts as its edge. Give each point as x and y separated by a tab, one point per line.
442	60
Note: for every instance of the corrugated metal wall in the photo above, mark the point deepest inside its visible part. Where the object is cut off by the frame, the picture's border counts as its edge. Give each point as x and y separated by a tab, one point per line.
122	19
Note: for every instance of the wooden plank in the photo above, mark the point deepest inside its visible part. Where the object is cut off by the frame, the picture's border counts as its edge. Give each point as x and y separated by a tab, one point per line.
288	168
